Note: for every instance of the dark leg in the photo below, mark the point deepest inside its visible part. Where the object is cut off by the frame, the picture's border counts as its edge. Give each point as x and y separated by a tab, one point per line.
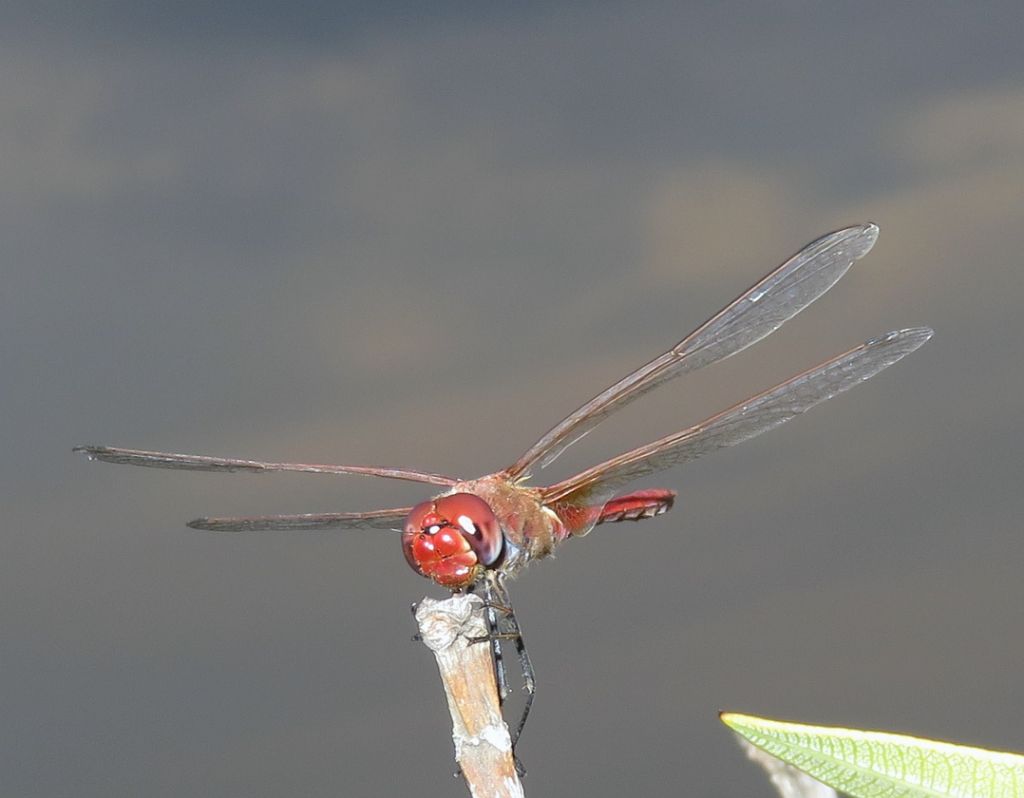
500	601
494	637
416	638
502	625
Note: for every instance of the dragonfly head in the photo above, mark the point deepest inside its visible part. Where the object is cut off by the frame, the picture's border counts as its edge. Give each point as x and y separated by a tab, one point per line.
452	539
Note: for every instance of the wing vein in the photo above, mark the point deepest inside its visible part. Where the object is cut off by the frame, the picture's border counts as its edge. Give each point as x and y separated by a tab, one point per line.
195	462
749	418
756	313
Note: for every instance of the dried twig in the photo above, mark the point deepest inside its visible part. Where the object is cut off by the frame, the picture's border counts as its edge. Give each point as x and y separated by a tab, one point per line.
483	747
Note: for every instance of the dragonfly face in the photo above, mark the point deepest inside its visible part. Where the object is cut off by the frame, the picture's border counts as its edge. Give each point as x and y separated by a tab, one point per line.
452	539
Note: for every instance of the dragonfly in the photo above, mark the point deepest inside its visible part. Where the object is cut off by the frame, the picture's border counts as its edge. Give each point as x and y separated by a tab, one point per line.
476	533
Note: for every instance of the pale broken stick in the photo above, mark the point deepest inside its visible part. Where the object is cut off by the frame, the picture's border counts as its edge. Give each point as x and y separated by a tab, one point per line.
483	745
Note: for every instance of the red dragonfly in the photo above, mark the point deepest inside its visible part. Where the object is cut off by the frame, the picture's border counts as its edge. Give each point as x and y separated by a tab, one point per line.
478	531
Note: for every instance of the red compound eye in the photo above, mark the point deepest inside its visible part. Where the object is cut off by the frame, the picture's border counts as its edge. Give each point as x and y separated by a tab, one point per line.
451	539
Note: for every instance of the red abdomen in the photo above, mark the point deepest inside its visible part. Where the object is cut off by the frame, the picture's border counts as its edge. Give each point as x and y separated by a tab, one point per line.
637	506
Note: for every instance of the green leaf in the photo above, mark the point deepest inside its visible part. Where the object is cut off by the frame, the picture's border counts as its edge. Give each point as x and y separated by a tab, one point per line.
866	764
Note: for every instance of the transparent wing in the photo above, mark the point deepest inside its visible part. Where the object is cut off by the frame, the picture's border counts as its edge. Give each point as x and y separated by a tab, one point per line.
745	420
193	462
374	519
759	311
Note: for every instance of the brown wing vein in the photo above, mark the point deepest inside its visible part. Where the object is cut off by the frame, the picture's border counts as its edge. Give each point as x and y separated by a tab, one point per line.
373	519
193	462
748	418
757	312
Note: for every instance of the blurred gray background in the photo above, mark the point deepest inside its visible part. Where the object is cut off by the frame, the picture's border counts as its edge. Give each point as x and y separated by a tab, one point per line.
342	232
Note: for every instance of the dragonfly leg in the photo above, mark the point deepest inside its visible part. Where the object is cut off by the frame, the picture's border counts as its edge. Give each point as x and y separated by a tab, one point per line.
416	638
498	601
494	637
